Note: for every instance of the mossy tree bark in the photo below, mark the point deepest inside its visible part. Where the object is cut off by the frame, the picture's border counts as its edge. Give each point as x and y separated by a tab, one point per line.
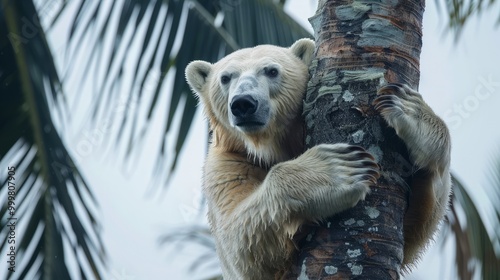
360	45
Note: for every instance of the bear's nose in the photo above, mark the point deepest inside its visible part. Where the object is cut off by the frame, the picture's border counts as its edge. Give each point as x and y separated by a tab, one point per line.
243	105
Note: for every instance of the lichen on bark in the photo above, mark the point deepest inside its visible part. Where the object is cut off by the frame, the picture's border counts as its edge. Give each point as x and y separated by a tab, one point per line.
360	45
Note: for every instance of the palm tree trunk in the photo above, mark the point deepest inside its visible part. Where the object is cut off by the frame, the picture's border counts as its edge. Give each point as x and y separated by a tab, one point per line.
359	46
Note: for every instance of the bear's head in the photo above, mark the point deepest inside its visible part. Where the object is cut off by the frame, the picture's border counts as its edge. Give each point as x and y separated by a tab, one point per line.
253	99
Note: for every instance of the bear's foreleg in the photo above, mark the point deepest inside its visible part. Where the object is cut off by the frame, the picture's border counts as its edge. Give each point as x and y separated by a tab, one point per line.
428	141
255	237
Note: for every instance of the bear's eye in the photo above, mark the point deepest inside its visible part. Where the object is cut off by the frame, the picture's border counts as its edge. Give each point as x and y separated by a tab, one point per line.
271	72
225	79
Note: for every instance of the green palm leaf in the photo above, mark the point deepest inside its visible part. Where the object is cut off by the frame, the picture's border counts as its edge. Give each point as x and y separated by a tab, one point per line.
461	11
472	242
53	204
205	30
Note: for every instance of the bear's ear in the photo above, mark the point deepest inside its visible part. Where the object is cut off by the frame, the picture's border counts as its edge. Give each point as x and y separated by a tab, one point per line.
197	73
304	49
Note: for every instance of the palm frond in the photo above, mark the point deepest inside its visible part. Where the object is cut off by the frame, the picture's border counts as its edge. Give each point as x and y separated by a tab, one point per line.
476	249
53	206
461	11
195	234
494	189
172	33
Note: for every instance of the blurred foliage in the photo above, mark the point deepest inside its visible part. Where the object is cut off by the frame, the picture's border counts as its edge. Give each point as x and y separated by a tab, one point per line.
462	11
477	250
206	30
53	204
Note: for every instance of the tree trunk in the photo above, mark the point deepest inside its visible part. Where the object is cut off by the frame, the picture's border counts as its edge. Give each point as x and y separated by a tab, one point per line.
360	45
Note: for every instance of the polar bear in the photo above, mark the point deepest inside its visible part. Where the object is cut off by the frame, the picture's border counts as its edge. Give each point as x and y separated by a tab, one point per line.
259	183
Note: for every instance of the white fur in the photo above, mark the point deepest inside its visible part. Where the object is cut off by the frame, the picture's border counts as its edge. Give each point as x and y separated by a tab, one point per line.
260	185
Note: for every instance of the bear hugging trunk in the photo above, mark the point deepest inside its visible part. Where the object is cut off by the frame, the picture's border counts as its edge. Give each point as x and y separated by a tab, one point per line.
259	183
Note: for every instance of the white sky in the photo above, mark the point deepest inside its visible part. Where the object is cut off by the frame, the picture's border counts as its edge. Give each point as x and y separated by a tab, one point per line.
133	215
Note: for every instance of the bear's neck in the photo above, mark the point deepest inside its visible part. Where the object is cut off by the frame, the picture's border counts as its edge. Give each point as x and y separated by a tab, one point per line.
266	149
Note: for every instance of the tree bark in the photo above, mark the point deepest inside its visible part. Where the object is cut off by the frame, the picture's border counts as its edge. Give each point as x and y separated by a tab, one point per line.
360	45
